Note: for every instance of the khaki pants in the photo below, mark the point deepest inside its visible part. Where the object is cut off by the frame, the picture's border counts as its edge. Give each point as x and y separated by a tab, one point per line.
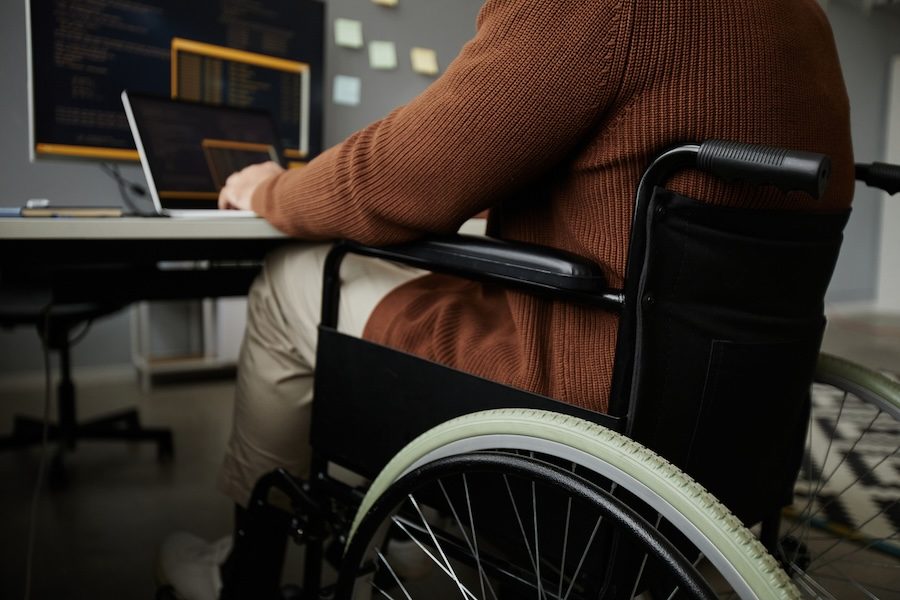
278	357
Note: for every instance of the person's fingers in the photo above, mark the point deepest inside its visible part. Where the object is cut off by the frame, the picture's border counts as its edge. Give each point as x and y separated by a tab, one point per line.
239	186
223	198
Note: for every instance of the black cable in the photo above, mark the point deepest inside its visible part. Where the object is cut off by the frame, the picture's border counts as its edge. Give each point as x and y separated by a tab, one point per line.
44	331
81	334
125	187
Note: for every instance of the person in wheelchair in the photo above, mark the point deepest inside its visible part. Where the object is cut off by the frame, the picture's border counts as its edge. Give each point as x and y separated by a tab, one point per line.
546	119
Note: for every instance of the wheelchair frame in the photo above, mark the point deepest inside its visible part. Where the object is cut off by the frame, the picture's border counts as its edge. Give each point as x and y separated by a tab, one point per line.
540	271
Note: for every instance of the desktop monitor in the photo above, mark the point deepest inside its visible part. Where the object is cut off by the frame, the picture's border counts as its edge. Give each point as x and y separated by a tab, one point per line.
260	54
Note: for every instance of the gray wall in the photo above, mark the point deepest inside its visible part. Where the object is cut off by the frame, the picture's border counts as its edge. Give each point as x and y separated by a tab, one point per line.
439	24
443	25
864	42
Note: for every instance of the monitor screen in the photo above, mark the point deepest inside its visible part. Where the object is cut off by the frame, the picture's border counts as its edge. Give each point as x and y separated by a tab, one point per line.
190	149
264	54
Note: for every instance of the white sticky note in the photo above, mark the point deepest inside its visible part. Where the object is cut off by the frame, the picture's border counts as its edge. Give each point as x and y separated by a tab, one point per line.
424	61
348	33
382	55
385	2
346	90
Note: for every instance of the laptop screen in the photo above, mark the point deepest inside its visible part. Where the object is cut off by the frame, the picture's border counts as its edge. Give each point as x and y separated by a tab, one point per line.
188	149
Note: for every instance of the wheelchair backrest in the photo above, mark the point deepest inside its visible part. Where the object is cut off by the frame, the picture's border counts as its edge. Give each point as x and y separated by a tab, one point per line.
726	324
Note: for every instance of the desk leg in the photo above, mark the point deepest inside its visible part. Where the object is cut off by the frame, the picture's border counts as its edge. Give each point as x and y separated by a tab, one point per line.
140	343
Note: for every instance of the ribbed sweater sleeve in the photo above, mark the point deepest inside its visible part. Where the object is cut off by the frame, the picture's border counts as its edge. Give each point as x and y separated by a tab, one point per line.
512	105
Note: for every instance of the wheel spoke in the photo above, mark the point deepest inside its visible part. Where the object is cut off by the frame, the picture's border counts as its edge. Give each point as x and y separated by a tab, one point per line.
831	439
519	520
537	545
473	542
446	566
843	557
852	581
562	566
393	574
813	587
817	488
810	464
837	496
637	581
382	592
843	534
481	573
583	557
640	574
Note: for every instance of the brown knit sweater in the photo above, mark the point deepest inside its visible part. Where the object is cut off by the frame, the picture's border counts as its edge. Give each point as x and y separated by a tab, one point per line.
548	117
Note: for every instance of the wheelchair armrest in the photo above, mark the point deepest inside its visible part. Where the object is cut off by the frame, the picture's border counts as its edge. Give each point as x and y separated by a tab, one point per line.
534	268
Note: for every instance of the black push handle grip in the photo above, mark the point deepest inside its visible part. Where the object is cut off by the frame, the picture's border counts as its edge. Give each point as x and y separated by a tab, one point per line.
880	175
788	170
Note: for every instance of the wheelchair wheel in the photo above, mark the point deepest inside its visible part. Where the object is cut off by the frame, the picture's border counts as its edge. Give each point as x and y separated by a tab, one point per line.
527	503
840	538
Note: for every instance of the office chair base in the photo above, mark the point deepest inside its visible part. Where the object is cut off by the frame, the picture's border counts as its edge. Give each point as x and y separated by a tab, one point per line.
120	426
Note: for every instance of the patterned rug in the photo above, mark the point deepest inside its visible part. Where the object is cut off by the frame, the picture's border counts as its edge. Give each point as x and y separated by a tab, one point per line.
859	461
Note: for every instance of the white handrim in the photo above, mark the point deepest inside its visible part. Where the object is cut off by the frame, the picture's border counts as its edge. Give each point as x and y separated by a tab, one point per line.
733	549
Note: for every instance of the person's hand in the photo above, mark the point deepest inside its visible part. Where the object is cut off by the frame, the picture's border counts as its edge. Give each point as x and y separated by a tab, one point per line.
239	186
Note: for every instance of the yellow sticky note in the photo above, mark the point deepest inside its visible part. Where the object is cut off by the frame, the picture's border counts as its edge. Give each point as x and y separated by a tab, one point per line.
424	61
348	33
382	55
385	2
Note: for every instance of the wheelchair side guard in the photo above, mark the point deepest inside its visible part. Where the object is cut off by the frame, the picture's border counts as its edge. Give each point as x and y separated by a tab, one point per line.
370	381
874	387
733	549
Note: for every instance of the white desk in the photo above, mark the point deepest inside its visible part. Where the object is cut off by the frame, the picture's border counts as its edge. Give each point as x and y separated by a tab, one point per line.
18	228
127	259
124	260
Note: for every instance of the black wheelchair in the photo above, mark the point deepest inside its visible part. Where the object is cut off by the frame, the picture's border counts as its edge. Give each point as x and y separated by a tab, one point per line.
501	493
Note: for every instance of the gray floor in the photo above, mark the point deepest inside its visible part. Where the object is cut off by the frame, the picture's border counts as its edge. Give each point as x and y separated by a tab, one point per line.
97	538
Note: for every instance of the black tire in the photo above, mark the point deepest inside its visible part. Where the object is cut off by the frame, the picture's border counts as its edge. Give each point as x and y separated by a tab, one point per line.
457	471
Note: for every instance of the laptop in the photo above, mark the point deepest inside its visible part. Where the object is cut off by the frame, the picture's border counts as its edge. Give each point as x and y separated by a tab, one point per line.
189	149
